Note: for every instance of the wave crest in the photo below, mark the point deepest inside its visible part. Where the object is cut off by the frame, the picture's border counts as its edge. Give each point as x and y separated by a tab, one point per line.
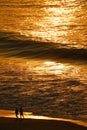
34	49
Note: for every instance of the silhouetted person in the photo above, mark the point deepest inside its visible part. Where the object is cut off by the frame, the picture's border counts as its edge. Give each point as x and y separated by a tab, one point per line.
21	112
16	112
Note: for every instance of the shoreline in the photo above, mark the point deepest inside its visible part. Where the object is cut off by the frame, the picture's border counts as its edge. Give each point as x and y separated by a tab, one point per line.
37	124
8	121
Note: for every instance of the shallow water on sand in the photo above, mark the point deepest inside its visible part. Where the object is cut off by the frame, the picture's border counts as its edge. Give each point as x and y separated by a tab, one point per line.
27	115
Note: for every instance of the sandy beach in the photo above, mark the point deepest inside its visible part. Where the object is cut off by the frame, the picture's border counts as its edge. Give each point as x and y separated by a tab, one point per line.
31	122
37	124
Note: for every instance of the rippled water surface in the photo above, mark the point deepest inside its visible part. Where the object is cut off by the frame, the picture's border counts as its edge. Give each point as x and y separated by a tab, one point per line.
43	57
61	21
45	87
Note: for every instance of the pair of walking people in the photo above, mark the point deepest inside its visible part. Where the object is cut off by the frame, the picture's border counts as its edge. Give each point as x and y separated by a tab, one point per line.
20	111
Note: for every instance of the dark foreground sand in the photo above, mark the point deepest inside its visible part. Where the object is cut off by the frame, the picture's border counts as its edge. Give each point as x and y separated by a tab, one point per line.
37	124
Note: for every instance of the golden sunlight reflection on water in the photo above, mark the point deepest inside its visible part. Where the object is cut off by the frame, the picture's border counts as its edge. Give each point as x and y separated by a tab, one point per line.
29	115
53	24
24	68
62	22
53	68
24	79
57	22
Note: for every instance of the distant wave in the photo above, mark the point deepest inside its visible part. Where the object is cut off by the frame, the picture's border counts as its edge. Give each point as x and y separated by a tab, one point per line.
33	49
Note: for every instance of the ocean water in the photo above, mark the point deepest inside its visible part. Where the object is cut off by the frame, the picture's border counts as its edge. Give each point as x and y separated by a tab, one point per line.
43	57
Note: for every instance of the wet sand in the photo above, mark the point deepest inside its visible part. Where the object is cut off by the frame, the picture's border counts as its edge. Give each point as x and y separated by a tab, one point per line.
32	122
37	124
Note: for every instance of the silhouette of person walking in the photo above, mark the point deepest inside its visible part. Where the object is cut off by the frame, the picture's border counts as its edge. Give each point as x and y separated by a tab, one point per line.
21	113
16	112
